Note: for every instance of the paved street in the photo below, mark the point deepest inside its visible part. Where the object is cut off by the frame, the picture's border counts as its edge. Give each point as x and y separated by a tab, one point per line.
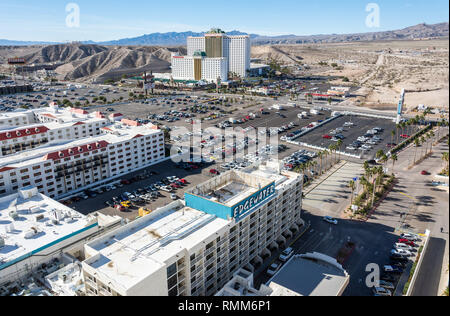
425	205
331	194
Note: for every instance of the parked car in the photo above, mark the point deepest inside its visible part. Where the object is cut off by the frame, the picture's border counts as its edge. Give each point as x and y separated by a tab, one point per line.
380	291
403	246
401	252
393	269
407	242
388	278
387	285
410	237
273	269
286	254
424	173
214	171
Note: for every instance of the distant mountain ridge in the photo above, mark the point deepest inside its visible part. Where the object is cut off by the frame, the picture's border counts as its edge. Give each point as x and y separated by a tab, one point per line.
179	39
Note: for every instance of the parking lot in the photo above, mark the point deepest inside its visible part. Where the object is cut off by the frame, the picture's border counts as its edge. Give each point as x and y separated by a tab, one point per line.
163	170
361	125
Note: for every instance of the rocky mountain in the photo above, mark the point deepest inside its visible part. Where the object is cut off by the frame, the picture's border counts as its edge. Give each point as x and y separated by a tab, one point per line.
409	33
179	39
115	62
163	39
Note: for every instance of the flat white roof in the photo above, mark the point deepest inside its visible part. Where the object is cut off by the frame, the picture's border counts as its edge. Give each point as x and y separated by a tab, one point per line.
47	232
309	275
135	251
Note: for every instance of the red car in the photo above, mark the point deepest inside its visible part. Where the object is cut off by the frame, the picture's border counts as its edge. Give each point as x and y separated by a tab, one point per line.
175	186
125	182
183	181
214	171
327	137
404	136
425	173
406	242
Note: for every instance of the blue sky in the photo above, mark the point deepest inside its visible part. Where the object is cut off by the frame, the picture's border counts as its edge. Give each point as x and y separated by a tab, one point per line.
102	20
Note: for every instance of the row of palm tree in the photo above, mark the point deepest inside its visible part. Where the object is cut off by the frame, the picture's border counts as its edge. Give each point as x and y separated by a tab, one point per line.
327	158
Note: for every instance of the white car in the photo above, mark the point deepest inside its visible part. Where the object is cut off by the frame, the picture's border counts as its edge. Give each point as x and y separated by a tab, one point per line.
401	252
287	254
330	220
403	246
173	196
387	285
273	269
410	237
380	291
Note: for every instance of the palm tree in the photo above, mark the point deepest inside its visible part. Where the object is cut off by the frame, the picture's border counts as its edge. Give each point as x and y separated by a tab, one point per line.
320	155
339	145
423	141
392	136
417	144
445	158
394	159
379	154
432	136
398	126
331	148
352	186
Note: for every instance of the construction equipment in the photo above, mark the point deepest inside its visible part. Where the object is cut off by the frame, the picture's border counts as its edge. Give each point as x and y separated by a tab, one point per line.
144	211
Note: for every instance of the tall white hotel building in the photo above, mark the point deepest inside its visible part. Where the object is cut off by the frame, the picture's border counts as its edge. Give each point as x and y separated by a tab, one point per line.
212	57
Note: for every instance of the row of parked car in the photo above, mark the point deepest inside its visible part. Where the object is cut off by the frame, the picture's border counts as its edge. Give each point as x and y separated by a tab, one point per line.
368	140
147	194
298	158
400	255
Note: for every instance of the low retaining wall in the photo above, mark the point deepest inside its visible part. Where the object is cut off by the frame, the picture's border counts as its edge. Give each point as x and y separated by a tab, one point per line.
422	255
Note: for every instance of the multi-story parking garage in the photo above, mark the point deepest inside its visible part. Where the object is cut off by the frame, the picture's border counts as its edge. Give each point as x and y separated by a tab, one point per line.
195	248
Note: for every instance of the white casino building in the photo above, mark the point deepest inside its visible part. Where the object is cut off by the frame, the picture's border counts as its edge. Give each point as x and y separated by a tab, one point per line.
213	56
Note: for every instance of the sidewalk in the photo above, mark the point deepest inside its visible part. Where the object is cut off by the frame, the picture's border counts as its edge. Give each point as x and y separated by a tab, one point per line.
325	176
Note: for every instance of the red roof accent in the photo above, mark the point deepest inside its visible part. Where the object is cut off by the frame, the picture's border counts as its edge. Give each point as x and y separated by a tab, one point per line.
49	115
6	169
76	150
17	133
99	114
107	129
138	135
79	123
130	122
116	115
78	111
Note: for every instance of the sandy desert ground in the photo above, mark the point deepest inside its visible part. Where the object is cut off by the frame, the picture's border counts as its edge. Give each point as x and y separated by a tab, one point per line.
382	69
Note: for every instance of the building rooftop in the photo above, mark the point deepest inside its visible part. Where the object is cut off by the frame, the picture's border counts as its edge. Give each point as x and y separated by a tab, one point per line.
30	222
117	134
230	188
135	251
310	275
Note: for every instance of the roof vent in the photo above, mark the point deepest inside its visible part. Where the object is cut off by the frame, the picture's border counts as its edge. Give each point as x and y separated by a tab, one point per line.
18	134
28	131
61	154
8	135
80	149
37	130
